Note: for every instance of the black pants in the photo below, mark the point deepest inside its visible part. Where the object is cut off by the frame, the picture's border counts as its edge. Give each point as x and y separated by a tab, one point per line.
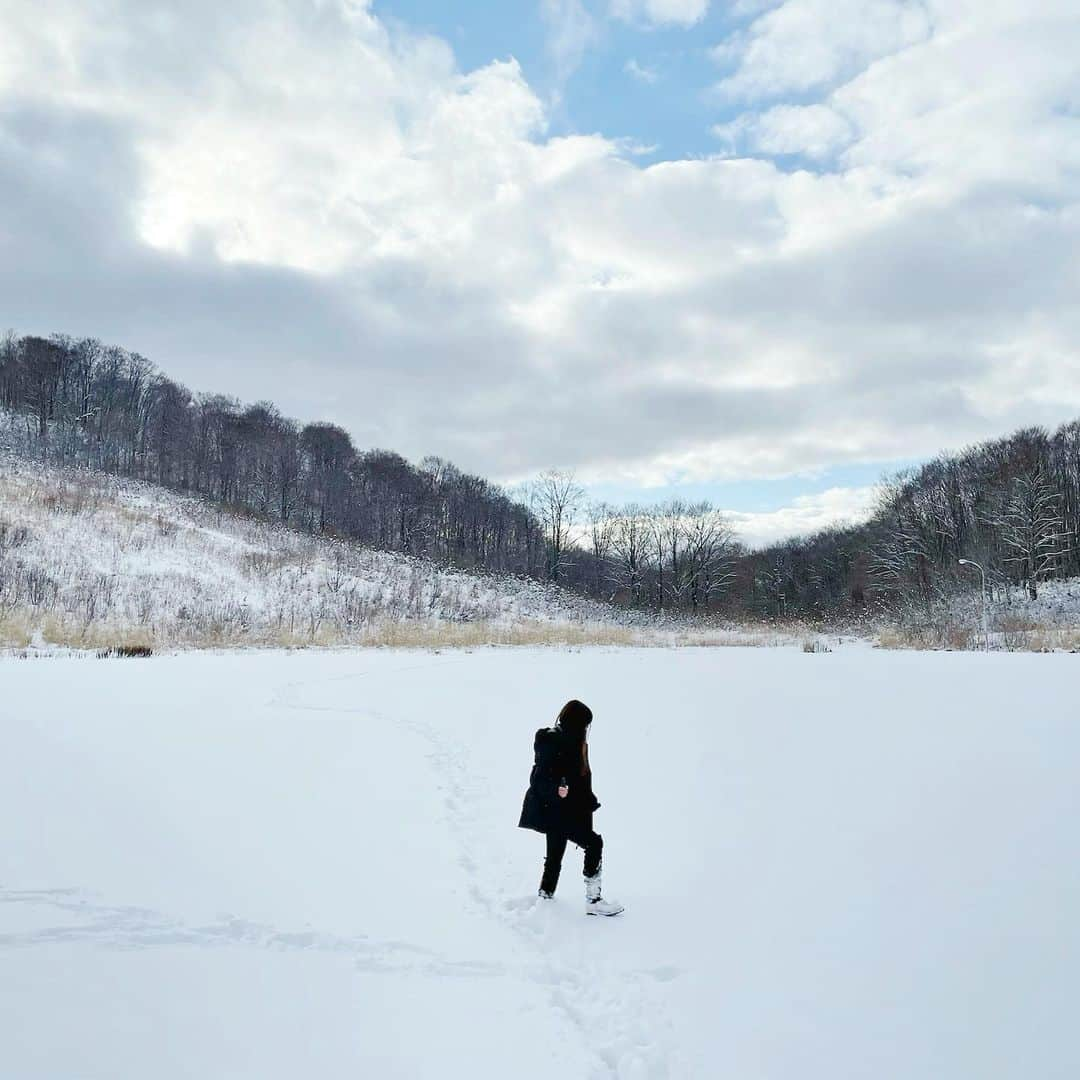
592	842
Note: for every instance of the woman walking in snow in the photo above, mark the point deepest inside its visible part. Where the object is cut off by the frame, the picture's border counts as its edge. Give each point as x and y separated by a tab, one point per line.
560	803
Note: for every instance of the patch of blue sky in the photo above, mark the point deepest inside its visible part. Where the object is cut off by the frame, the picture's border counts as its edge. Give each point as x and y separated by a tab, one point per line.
479	31
649	86
752	496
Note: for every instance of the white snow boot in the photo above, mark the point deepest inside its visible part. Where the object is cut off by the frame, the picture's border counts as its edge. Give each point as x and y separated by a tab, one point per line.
595	904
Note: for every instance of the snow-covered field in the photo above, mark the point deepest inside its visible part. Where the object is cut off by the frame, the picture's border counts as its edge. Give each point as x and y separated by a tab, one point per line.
855	865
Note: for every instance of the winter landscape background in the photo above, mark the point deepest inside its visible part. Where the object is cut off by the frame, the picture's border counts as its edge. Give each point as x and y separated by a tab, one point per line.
378	375
112	470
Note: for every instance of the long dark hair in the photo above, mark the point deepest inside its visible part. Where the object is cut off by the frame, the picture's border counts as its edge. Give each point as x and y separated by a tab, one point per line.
575	718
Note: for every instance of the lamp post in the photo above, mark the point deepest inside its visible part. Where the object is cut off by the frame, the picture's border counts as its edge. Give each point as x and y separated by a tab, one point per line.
985	615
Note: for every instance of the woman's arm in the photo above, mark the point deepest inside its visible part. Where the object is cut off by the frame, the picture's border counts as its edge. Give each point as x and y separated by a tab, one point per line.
548	773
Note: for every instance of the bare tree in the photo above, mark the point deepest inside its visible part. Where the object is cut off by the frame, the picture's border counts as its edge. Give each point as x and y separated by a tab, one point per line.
667	524
42	370
708	567
556	498
601	535
629	540
1033	529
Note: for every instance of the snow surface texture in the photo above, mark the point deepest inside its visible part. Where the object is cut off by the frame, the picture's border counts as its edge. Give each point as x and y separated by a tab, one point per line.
266	864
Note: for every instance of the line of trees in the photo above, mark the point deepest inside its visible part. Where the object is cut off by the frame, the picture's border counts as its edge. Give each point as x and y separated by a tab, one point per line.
103	407
106	408
677	556
1012	505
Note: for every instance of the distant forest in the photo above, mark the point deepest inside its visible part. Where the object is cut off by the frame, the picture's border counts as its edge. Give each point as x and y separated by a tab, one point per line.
1011	505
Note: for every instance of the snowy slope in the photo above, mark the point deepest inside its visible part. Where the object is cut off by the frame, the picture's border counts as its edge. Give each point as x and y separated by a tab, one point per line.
87	559
1050	622
836	867
91	561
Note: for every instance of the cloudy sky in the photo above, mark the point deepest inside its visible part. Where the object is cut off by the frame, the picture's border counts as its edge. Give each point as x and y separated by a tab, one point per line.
757	250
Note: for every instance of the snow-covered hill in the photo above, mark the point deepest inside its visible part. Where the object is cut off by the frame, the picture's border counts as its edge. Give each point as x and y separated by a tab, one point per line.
1016	623
92	561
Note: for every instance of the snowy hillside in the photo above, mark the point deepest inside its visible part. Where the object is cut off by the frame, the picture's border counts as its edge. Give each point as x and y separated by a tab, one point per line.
278	865
1049	623
87	559
92	561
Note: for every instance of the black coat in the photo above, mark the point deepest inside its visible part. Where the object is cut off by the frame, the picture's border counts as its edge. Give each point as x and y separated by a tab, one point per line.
557	762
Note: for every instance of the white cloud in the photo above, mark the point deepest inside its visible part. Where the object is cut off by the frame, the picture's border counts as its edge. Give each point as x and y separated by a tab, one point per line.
292	201
571	31
640	72
806	44
817	131
660	12
744	8
805	516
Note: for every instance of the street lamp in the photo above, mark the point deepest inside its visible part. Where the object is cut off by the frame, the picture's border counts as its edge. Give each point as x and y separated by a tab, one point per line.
985	615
